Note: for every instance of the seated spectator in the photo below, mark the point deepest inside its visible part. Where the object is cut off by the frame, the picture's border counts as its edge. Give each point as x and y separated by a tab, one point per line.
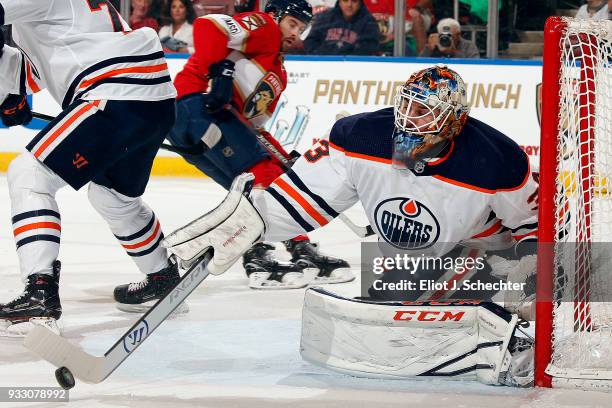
448	43
178	35
594	10
140	15
346	29
418	18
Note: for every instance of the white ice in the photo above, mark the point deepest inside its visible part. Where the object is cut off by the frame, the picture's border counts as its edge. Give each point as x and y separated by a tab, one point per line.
236	348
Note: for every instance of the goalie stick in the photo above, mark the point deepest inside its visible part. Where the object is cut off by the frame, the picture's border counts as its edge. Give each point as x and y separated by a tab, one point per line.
196	149
95	369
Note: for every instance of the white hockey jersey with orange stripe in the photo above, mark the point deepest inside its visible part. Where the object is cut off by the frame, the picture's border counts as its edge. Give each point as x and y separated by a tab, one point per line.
481	193
80	49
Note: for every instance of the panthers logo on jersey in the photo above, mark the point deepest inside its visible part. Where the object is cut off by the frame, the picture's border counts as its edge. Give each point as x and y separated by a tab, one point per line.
406	223
264	94
253	21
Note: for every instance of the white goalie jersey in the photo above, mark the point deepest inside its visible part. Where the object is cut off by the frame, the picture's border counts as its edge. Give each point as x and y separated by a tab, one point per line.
481	194
80	49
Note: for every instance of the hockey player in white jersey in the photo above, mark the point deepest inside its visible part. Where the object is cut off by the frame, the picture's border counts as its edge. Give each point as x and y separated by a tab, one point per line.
432	180
118	104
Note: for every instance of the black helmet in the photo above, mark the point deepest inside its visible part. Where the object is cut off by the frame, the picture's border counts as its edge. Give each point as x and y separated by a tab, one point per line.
299	9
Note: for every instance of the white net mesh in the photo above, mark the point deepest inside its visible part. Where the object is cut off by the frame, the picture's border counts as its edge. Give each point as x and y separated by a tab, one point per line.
582	334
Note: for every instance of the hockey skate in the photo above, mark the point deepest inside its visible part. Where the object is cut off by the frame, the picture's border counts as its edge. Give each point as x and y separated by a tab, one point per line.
305	254
38	304
138	297
266	272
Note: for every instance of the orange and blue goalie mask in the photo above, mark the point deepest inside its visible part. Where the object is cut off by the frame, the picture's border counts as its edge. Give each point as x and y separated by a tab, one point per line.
430	109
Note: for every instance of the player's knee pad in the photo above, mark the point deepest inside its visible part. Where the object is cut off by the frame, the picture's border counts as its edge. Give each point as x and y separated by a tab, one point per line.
27	175
111	204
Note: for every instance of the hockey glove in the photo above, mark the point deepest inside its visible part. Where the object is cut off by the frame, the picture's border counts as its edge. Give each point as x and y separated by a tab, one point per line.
221	76
15	110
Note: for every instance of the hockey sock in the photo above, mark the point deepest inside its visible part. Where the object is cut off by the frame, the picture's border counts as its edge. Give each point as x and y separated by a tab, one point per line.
134	225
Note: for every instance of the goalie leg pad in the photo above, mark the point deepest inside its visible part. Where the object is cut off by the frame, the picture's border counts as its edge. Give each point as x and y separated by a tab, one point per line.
396	340
230	229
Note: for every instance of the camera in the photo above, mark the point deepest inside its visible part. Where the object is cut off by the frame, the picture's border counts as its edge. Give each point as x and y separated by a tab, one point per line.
445	37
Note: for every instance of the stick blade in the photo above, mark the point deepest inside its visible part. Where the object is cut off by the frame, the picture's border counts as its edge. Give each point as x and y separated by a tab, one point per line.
61	353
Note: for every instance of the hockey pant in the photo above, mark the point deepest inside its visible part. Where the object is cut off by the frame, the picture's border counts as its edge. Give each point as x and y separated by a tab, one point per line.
37	225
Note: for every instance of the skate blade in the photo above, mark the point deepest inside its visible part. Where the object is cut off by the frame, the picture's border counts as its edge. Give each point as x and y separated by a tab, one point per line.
340	275
21	330
291	280
182	309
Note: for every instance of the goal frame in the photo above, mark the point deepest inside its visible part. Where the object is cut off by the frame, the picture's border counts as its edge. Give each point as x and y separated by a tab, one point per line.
554	31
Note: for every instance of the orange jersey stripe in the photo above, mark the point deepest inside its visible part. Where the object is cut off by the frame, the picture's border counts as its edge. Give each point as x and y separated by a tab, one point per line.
367	157
360	155
489	231
301	201
36	225
31	83
66	124
146	241
130	70
333	146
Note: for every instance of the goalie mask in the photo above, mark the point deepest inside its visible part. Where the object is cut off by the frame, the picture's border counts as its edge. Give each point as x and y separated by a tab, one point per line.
430	110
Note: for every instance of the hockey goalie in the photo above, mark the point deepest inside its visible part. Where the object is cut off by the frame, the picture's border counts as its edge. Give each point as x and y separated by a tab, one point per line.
430	178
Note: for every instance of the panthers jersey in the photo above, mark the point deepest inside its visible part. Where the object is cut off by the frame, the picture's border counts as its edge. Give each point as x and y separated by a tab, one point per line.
481	193
259	77
81	49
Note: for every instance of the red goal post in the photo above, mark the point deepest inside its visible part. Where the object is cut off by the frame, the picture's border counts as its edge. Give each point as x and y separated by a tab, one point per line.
574	278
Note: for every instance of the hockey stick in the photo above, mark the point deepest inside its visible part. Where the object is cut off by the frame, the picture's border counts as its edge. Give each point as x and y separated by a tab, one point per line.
75	362
360	231
196	149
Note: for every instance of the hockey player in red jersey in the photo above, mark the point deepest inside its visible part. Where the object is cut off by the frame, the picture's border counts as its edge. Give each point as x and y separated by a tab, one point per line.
239	60
435	183
118	104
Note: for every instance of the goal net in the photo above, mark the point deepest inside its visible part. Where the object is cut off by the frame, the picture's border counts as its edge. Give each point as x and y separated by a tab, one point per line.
574	297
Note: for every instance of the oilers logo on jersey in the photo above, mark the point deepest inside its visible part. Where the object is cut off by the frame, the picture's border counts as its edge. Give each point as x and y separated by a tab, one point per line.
406	223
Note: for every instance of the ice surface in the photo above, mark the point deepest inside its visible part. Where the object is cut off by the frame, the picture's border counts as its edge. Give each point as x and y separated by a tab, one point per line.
236	348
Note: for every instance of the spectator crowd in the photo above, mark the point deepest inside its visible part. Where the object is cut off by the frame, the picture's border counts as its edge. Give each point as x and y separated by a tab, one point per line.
346	27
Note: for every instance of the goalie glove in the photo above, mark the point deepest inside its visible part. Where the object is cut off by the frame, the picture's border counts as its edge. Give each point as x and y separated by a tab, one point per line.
221	77
15	110
229	230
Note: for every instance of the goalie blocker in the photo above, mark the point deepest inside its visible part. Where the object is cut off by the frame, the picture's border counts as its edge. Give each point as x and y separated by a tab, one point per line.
230	229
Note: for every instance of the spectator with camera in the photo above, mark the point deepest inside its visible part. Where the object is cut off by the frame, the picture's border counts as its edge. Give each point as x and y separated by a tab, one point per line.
178	35
346	29
448	43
